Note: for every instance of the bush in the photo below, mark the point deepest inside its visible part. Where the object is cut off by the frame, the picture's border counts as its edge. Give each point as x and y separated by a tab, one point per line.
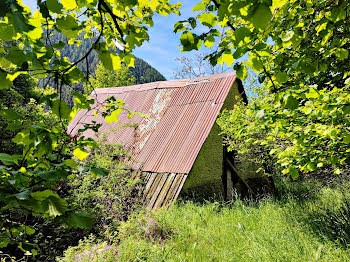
88	250
111	198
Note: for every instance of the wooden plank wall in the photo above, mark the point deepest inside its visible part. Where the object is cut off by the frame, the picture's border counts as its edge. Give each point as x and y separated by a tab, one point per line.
161	189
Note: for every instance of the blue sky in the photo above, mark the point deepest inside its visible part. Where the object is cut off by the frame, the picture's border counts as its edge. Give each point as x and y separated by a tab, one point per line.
162	48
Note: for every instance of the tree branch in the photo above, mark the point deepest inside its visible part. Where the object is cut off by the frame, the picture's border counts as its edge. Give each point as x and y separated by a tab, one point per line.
114	17
228	22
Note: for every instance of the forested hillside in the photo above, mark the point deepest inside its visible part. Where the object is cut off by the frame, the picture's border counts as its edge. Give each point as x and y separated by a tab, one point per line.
143	72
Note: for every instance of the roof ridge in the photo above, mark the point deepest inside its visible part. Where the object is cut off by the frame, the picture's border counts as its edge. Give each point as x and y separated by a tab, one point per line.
174	83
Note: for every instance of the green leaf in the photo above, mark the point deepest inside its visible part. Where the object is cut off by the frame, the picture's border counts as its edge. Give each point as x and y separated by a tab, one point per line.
69	4
129	60
208	19
79	220
13	76
23	195
209	41
199	7
54	6
342	53
226	58
241	71
320	164
241	33
35	34
294	173
8	159
7	32
76	75
80	153
28	230
346	139
56	206
287	36
278	3
281	77
23	138
59	45
110	60
113	117
71	163
53	175
20	22
67	23
61	109
187	38
257	64
179	26
290	102
311	166
10	114
307	67
346	109
99	171
312	93
261	16
51	203
215	32
42	195
4	82
193	22
240	51
260	114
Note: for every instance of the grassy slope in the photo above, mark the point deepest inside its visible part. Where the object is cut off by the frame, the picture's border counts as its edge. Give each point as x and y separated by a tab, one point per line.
282	229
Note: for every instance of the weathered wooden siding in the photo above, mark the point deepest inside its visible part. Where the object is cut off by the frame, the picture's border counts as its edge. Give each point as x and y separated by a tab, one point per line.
161	189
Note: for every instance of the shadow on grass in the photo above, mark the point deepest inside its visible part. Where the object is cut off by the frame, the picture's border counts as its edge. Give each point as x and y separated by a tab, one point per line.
333	222
322	204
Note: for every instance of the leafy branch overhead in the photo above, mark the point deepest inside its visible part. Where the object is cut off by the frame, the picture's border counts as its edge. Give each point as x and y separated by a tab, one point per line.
29	181
299	51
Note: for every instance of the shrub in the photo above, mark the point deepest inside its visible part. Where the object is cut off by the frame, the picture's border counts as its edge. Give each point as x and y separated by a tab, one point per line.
111	198
88	250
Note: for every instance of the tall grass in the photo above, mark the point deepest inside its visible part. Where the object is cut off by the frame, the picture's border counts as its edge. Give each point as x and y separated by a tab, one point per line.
287	228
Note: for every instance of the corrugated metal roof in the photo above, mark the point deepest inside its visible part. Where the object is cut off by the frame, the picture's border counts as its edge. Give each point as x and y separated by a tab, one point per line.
180	113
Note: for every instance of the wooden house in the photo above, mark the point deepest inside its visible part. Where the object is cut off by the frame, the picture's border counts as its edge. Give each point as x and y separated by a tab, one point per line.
177	148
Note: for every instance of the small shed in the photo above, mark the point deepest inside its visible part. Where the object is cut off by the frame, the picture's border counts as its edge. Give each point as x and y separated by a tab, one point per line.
177	149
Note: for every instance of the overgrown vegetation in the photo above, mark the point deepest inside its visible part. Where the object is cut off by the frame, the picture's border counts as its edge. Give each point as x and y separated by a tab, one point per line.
31	181
23	99
112	197
103	78
299	49
300	52
283	228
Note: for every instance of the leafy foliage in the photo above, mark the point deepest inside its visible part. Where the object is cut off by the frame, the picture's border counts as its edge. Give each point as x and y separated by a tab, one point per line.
109	78
110	196
300	51
19	109
29	180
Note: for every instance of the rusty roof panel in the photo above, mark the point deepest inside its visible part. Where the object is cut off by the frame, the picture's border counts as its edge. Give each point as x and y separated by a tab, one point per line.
180	116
